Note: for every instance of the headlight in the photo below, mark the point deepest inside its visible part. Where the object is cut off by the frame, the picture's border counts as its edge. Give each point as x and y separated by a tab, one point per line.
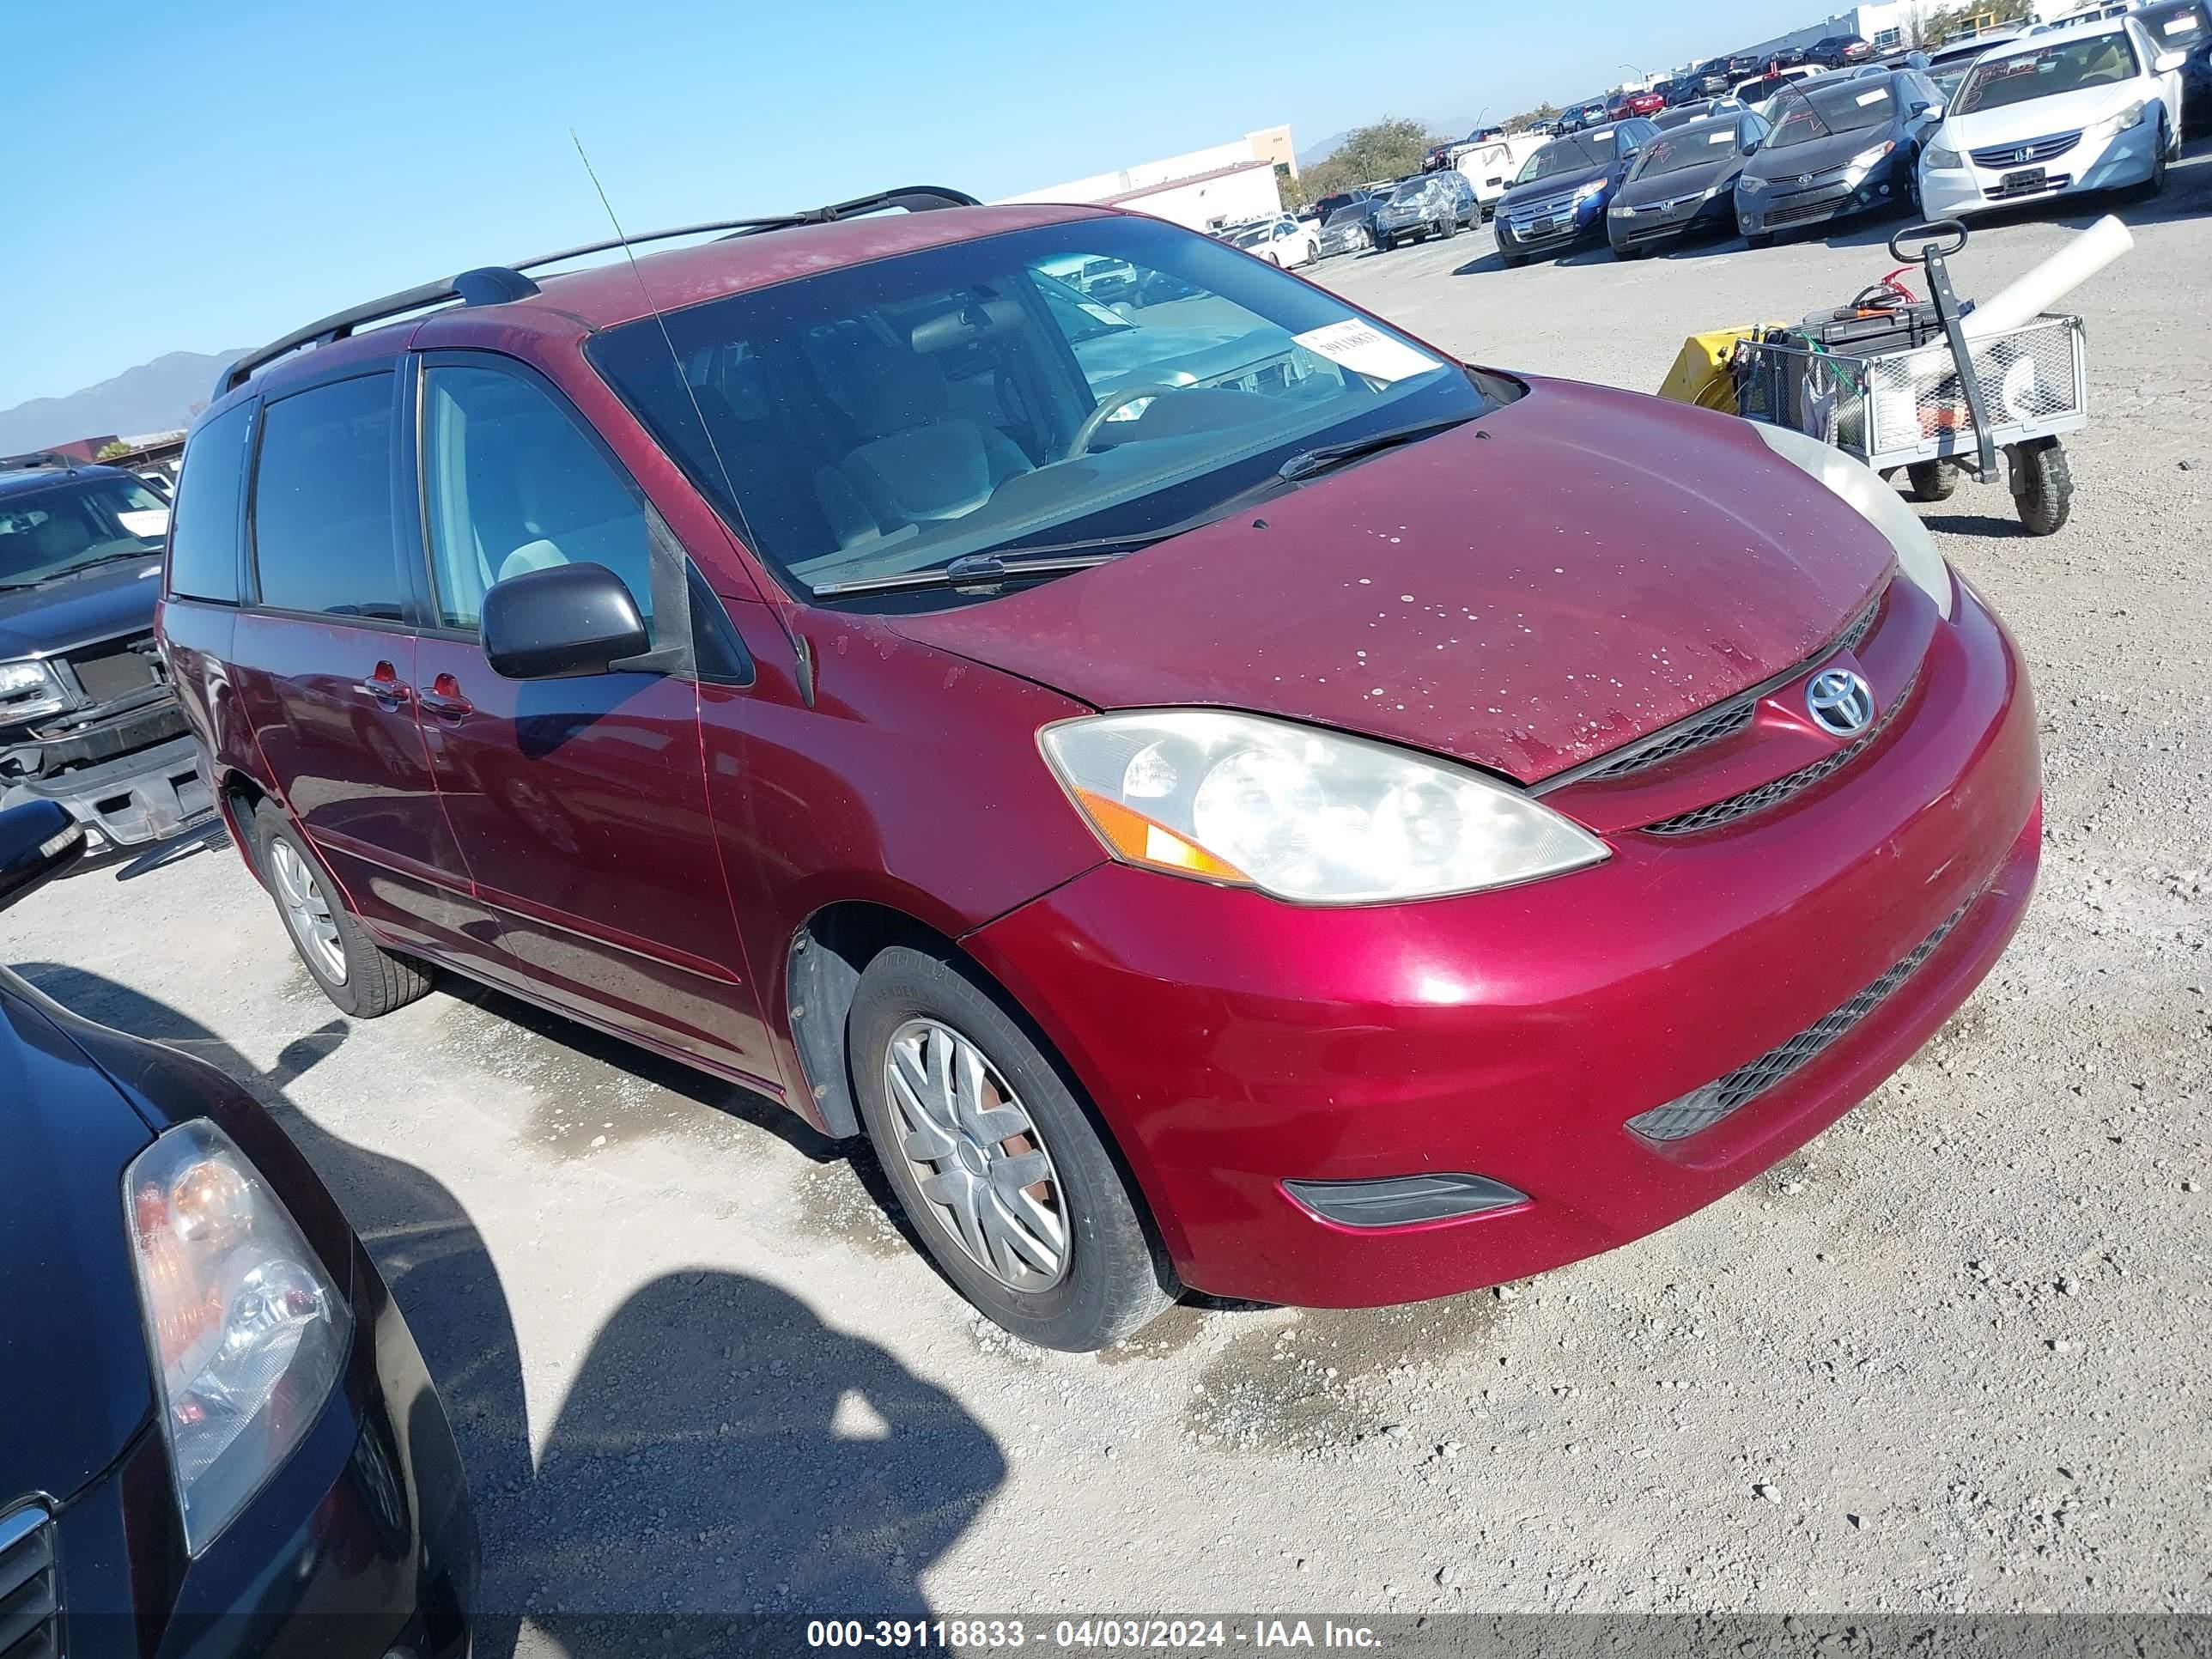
2113	126
1751	184
1936	156
1595	188
1299	812
28	690
246	1332
1873	501
1867	158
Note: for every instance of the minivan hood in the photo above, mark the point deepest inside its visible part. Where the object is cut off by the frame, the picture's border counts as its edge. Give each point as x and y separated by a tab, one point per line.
78	1383
1523	593
80	608
2038	117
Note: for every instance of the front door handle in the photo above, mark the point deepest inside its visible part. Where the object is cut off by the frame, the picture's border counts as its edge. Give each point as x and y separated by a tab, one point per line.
386	686
444	699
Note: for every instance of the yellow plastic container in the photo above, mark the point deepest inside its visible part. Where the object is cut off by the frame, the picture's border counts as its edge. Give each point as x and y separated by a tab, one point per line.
1700	374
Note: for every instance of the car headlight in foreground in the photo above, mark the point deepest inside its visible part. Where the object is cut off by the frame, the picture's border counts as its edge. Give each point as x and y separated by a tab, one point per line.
1862	488
1938	158
28	690
246	1332
2113	125
1596	187
1751	184
1866	159
1304	814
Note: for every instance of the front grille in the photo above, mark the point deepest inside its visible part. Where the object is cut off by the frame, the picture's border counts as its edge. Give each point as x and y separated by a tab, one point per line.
1723	720
30	1591
2031	152
1808	204
1714	814
115	668
1525	214
1686	1115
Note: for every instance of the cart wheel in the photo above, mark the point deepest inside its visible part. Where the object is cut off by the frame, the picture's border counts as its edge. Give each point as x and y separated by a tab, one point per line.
1932	481
2042	484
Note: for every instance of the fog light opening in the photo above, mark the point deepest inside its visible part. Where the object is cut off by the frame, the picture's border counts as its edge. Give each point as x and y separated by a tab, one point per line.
1399	1200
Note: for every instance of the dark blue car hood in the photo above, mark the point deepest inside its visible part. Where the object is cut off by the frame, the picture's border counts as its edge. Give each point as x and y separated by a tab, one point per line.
71	1346
1554	184
81	608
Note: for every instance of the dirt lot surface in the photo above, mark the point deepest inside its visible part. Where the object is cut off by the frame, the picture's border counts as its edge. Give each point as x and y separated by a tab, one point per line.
1953	1356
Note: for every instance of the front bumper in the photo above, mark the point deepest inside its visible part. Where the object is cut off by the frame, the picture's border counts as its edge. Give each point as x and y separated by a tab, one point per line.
362	1543
1884	187
1582	226
2113	163
1707	215
1233	1043
147	795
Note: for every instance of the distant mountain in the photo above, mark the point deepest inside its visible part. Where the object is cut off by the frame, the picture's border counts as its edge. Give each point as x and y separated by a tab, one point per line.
156	397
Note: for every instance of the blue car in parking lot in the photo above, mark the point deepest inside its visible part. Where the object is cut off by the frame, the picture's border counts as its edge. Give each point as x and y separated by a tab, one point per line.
1559	201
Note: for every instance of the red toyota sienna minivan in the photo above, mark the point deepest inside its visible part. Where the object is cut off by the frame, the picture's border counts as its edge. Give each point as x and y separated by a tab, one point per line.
1222	794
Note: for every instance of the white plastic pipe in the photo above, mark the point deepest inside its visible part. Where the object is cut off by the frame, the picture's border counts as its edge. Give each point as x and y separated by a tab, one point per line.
2031	295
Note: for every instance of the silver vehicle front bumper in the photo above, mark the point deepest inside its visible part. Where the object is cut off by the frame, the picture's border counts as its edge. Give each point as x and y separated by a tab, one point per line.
147	796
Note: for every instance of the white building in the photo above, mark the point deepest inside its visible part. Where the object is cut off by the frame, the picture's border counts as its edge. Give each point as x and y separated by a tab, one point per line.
1204	189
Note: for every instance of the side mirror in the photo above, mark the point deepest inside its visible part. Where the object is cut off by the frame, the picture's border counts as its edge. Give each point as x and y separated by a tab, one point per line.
2167	62
1751	147
38	840
561	623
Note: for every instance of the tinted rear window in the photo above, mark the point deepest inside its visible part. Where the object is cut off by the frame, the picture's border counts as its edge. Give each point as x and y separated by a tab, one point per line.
204	532
322	502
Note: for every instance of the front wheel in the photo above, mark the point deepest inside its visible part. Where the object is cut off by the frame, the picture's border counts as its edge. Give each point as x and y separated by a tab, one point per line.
2155	185
998	1164
1932	481
2042	485
1758	239
1512	261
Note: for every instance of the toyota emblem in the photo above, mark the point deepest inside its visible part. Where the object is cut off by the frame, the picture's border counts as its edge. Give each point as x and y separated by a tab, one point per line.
1840	703
1804	177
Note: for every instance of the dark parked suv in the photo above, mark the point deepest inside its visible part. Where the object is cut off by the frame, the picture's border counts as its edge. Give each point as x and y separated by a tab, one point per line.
1118	790
86	716
1558	203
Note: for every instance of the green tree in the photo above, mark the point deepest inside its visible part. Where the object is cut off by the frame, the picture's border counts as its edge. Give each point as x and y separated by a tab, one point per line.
108	451
1388	149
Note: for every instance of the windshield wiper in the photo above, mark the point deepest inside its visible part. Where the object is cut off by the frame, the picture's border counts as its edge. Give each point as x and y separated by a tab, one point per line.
1309	463
981	570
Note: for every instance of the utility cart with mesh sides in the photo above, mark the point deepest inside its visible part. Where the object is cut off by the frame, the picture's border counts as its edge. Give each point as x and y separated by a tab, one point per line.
1901	385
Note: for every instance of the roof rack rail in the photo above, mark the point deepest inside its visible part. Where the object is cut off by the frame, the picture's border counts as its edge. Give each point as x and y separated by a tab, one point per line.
496	284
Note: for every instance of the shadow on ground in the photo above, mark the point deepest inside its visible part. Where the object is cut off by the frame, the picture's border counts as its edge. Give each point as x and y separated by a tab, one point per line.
719	1452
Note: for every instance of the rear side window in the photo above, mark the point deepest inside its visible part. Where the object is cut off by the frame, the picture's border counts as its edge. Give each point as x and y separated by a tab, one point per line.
204	530
514	485
322	502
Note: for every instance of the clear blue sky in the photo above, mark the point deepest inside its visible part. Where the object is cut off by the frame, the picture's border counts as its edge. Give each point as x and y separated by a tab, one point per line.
199	176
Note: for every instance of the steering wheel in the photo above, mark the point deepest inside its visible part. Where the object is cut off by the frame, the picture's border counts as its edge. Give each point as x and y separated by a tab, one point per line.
1080	444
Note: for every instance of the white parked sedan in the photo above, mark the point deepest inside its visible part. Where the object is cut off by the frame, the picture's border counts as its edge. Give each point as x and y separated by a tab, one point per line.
2086	109
1282	240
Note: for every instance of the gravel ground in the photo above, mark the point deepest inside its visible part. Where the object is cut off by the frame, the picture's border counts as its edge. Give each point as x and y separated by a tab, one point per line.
1952	1356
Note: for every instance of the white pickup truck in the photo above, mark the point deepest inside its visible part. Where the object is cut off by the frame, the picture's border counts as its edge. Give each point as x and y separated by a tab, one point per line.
1491	166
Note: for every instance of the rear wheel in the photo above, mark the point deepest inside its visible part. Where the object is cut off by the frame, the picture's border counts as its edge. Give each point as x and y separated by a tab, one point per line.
355	973
1932	481
999	1167
2042	484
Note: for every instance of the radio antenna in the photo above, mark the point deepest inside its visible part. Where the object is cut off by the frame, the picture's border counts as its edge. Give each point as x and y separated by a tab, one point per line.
675	363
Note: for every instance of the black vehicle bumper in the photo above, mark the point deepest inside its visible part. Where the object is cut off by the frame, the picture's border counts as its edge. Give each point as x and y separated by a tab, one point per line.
1713	216
363	1542
1888	187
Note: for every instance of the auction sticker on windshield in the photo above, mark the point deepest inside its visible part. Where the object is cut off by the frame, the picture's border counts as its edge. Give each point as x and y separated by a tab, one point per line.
1366	350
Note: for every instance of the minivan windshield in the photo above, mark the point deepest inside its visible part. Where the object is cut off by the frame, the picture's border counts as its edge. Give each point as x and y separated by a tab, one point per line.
2098	60
45	533
1809	111
1579	153
888	417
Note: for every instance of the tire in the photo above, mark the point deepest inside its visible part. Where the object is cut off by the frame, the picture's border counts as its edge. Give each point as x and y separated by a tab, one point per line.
1512	261
1449	228
913	1003
1384	242
1932	481
2153	186
2042	485
359	975
1764	239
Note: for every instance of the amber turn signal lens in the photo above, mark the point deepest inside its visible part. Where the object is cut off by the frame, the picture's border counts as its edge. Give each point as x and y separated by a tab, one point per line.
1141	840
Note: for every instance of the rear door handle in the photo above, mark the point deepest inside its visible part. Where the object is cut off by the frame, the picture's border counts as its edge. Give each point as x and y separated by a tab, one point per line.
386	686
444	699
